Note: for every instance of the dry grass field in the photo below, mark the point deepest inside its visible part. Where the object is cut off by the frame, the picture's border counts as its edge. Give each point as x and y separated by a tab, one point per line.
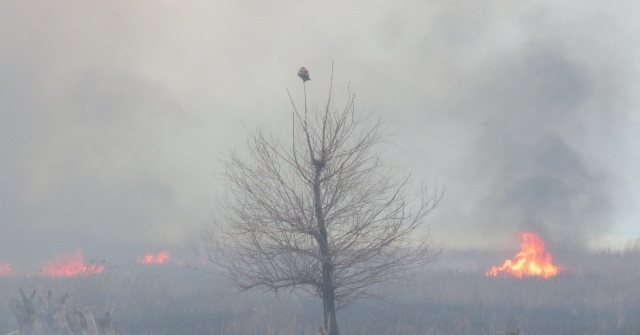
598	294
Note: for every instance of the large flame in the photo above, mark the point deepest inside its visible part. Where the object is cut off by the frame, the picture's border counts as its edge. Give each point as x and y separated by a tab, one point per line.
70	266
6	270
532	260
154	259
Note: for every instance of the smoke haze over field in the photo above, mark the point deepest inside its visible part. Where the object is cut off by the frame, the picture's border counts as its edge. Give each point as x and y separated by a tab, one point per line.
114	115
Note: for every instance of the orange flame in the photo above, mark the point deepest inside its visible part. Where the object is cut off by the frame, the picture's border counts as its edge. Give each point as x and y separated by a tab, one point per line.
154	259
70	266
6	270
532	260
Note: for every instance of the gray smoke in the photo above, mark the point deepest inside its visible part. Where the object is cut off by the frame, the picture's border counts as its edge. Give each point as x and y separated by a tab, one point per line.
87	171
540	110
113	115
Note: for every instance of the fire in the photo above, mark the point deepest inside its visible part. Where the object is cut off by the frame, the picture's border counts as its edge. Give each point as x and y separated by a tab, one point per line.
6	270
154	259
70	266
532	260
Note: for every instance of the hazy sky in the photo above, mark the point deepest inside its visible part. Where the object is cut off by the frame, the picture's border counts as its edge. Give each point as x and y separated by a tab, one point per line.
114	114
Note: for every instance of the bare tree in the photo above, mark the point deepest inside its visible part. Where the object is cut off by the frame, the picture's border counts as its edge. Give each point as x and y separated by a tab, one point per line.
320	215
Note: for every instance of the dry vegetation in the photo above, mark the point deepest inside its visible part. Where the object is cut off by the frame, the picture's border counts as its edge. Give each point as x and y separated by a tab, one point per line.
600	294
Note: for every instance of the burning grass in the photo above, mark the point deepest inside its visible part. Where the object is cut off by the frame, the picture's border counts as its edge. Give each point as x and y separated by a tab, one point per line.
154	258
70	266
6	270
532	260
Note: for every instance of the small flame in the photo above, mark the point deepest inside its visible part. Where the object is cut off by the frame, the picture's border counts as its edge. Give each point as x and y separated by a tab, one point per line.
532	260
154	259
6	270
70	266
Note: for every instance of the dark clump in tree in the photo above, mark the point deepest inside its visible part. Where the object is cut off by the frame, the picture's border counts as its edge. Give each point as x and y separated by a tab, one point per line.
321	215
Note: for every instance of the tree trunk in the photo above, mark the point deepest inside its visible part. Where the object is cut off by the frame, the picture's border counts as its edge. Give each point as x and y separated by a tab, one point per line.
328	302
328	290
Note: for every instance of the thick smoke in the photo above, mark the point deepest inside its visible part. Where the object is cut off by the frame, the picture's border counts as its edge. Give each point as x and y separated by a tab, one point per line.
113	114
87	170
539	113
